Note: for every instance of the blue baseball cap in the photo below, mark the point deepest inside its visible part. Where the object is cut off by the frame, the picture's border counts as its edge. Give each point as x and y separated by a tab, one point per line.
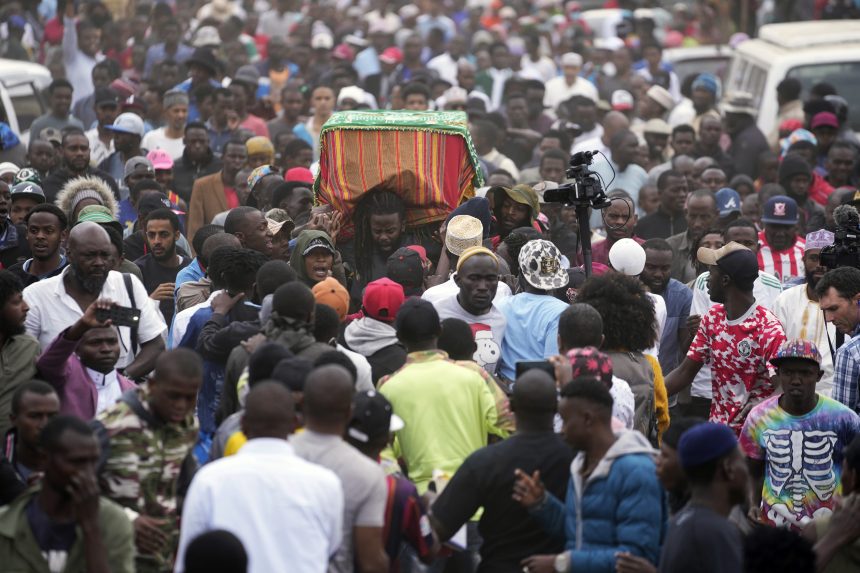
728	201
780	210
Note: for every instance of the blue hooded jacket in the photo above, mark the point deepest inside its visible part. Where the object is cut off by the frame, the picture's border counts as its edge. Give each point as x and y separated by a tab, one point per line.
621	507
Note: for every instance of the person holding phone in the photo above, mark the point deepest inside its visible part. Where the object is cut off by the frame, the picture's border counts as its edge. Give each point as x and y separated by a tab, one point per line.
81	364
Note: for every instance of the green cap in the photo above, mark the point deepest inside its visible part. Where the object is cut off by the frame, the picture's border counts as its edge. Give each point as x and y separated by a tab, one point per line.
99	214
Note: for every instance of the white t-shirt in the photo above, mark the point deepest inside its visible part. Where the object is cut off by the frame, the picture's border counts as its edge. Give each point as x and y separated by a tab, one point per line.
52	310
660	314
449	287
802	319
157	139
488	330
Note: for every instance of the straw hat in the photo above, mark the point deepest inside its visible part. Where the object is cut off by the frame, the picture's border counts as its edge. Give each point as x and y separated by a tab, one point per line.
463	231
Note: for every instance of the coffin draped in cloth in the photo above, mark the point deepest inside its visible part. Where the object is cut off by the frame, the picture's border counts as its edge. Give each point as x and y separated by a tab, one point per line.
427	157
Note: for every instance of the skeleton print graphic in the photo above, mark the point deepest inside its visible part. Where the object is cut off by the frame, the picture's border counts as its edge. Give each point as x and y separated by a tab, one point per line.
800	472
802	458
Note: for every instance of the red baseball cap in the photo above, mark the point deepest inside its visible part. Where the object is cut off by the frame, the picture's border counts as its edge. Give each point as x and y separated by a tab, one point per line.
391	56
382	299
422	252
302	174
824	119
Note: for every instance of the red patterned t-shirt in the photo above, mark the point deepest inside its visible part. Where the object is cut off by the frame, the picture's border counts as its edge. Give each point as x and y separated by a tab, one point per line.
739	352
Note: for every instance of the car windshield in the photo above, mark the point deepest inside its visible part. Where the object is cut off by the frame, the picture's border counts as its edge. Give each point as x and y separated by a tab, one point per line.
844	76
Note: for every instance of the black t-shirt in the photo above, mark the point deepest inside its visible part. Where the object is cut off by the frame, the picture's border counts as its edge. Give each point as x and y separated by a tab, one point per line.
155	274
54	539
486	479
701	541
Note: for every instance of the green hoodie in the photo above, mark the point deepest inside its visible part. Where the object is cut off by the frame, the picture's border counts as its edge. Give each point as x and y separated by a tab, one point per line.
297	260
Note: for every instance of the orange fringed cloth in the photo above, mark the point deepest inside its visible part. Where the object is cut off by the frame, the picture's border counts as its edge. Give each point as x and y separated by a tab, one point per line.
427	157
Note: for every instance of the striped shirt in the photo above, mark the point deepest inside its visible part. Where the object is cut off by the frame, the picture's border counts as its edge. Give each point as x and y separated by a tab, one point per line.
786	264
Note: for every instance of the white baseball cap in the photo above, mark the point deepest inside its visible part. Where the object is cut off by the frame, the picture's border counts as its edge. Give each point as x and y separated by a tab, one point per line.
127	122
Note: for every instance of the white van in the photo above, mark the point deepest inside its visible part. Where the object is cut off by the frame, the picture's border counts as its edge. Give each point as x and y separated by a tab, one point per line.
811	52
21	86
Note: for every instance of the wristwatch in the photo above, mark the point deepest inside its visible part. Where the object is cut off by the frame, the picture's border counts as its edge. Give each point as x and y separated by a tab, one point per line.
562	562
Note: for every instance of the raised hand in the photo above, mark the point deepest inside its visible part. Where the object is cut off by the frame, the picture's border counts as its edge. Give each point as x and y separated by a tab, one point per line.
528	489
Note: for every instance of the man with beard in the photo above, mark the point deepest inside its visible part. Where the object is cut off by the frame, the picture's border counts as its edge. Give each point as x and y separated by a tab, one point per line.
64	520
798	309
701	214
655	275
380	229
46	230
838	295
160	265
18	350
781	251
75	153
513	208
58	302
620	220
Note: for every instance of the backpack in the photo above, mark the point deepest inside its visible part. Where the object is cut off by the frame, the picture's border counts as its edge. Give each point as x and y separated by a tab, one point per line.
633	368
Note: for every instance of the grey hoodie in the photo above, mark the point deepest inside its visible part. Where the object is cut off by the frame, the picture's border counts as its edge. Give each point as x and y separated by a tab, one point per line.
367	335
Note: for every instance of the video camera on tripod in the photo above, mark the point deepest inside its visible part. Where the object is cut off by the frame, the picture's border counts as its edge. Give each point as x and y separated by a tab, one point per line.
586	187
584	192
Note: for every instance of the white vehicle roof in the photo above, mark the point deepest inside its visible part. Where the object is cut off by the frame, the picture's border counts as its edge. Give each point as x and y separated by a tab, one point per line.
13	72
760	64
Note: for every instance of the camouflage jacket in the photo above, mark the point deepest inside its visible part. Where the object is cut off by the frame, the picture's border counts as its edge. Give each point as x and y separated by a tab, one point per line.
143	459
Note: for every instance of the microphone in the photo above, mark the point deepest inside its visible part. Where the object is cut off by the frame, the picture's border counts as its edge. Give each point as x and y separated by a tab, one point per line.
846	217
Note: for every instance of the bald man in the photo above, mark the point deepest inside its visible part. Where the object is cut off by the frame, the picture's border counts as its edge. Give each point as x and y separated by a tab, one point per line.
327	408
287	512
58	302
486	479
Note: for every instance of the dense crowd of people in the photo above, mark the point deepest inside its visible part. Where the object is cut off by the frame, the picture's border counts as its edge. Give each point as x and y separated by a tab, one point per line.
208	364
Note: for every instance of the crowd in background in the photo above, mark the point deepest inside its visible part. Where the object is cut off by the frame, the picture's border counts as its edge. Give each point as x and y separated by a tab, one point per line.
205	366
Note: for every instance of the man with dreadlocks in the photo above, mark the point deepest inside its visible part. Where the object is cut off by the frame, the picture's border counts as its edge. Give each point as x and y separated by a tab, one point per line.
380	229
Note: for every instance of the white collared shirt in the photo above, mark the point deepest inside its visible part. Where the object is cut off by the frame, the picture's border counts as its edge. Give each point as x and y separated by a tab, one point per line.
52	310
287	512
107	386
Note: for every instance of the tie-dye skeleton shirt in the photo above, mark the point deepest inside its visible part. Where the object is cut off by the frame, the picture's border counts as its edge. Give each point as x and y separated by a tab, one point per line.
802	455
